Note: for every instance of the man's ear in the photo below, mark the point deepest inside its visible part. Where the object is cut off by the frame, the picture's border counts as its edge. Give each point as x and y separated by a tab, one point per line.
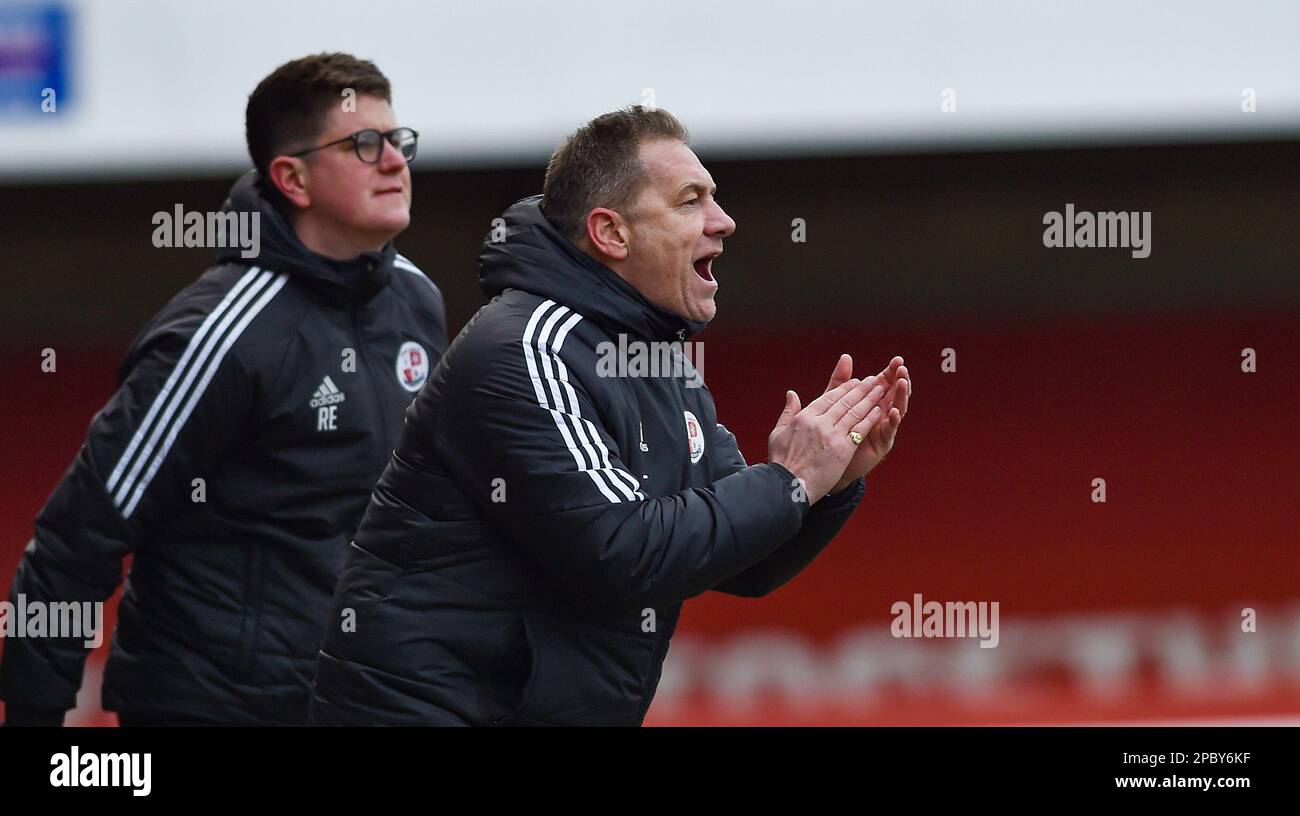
290	177
608	233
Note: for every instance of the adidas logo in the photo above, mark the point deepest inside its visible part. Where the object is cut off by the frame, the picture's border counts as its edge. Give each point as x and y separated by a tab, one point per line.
327	394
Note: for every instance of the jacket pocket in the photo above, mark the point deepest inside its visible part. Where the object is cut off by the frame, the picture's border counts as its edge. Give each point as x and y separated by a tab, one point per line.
530	677
578	675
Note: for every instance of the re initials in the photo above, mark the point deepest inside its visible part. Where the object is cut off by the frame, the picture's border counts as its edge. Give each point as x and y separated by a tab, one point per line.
326	417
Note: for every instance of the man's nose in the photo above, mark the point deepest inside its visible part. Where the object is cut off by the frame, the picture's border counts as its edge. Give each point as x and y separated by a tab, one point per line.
390	159
720	224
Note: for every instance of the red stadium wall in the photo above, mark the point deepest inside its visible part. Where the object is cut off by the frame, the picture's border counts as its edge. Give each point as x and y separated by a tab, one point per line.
1122	611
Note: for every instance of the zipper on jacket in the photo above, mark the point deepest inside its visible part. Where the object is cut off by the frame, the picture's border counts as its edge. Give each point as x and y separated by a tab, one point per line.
380	405
661	649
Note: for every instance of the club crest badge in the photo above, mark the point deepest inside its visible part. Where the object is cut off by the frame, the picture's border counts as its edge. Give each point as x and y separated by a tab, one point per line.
412	366
694	437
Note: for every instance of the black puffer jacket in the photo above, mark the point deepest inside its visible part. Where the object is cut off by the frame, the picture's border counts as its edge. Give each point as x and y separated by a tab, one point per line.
281	383
526	553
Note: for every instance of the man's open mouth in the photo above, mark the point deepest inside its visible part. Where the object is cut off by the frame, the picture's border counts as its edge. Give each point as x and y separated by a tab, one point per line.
704	265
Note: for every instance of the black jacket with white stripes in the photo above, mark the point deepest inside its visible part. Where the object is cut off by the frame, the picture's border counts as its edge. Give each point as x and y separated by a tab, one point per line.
526	553
234	462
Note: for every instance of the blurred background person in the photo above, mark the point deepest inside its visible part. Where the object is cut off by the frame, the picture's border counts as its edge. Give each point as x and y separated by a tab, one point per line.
253	415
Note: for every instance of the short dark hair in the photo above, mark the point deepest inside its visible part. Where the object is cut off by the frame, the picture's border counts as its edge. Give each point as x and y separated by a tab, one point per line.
288	110
600	165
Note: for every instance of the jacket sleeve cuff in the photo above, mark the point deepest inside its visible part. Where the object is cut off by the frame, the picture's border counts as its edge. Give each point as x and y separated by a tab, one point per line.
850	495
17	716
790	481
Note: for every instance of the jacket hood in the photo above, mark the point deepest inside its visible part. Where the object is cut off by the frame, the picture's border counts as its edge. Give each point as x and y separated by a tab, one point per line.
537	258
356	279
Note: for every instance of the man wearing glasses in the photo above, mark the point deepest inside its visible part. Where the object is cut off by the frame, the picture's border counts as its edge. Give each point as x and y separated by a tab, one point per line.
253	415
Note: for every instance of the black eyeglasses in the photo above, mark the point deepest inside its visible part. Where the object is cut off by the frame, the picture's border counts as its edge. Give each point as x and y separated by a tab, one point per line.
369	144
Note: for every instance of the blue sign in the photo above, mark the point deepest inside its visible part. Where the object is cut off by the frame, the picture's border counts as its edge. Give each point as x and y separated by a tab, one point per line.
35	54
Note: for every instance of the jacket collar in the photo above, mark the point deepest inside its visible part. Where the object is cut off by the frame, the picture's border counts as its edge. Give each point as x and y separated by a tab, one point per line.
355	280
